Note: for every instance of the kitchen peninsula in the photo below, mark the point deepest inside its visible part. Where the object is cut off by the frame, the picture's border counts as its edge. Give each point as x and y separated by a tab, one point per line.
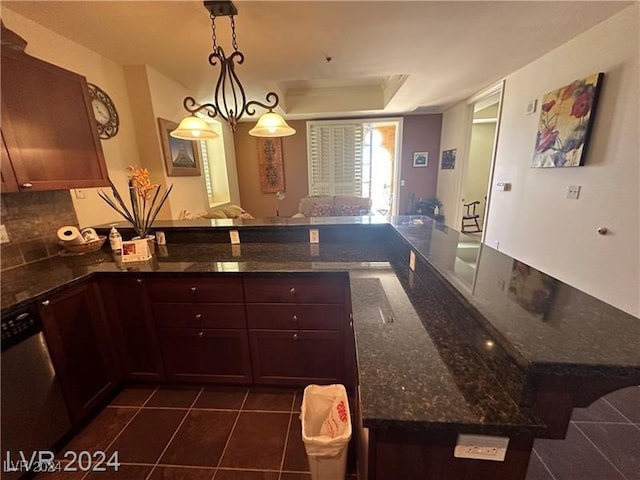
437	351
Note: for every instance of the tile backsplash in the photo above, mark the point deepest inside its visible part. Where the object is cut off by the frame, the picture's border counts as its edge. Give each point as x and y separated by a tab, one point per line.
32	220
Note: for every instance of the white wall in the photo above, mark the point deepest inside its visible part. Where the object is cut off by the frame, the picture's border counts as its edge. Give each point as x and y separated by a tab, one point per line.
479	165
534	222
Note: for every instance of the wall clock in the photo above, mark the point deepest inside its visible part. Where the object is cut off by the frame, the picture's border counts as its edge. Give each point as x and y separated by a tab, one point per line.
107	119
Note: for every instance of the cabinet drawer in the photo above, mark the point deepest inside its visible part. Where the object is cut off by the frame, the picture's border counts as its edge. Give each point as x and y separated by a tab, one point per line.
294	290
293	317
199	315
205	290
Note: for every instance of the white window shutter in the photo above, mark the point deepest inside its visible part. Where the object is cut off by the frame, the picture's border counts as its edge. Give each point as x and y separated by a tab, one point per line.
335	158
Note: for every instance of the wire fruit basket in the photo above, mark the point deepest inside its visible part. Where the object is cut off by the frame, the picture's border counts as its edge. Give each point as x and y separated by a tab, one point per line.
85	247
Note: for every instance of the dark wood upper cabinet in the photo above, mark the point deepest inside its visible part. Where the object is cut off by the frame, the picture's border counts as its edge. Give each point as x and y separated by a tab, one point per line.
48	127
80	346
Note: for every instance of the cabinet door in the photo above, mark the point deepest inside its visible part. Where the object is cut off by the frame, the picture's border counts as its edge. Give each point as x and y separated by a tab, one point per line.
211	356
134	334
48	126
80	348
7	178
287	357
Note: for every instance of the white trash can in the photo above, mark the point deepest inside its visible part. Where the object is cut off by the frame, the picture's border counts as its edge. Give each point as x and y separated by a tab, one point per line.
326	430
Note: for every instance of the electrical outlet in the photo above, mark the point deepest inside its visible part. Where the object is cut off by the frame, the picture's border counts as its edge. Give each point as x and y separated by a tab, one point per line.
80	194
234	236
314	235
4	236
412	260
402	183
573	192
481	447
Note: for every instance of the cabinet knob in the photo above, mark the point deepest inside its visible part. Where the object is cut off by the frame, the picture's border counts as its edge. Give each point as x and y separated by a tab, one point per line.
292	291
200	334
198	316
193	289
295	336
27	185
139	280
295	318
46	303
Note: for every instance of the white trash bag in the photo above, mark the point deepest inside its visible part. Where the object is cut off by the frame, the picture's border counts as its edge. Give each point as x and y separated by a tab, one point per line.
326	420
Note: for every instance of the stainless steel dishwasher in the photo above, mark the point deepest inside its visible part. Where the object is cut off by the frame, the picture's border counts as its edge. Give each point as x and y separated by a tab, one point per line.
33	416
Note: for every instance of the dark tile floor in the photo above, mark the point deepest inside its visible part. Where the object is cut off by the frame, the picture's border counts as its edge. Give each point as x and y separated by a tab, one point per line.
239	434
603	443
186	433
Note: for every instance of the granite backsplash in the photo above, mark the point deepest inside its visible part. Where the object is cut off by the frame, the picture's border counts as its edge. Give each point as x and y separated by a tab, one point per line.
32	220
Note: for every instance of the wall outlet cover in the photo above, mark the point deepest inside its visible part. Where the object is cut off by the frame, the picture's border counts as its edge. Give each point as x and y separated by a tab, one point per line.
234	236
314	235
481	447
412	260
4	235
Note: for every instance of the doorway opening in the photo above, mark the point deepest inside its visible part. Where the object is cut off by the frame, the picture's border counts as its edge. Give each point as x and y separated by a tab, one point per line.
478	171
379	159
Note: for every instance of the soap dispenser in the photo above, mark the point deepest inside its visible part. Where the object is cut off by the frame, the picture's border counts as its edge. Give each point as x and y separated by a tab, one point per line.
115	239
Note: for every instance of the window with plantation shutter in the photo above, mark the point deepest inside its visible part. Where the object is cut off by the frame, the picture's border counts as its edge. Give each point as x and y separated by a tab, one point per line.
335	158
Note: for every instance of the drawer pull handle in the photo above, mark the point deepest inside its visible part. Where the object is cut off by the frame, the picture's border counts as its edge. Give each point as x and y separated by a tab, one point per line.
295	318
198	316
200	334
139	280
193	289
46	303
295	336
292	291
27	185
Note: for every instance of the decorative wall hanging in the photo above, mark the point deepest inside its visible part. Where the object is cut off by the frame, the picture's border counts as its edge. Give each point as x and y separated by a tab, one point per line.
270	164
449	159
531	289
566	120
420	159
181	157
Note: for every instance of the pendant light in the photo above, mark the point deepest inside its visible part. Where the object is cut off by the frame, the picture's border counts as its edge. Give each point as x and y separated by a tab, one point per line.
229	99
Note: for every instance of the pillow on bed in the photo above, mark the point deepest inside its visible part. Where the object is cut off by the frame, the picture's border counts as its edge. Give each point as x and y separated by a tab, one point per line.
322	210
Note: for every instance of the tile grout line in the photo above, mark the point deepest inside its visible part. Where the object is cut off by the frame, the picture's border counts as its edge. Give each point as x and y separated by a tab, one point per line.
623	415
140	407
546	467
601	452
286	438
166	447
244	401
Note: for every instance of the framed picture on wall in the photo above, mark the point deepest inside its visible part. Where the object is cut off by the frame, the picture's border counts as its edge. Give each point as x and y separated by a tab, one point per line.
181	157
420	159
448	159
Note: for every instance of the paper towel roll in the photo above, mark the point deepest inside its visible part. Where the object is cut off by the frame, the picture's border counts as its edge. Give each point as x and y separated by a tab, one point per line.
70	235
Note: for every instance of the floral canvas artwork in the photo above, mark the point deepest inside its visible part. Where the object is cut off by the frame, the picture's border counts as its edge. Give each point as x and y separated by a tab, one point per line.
448	159
566	119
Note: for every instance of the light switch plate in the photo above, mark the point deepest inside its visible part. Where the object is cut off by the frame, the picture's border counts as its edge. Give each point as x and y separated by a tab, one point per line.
234	236
314	235
481	447
573	192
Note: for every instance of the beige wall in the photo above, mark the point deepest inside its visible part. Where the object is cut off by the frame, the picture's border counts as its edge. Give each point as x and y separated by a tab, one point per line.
294	153
534	222
476	181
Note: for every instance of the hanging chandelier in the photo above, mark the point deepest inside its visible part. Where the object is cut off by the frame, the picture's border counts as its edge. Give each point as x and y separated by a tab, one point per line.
229	98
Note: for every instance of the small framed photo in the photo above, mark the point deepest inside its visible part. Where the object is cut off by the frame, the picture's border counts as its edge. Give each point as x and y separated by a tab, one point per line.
181	157
135	251
420	159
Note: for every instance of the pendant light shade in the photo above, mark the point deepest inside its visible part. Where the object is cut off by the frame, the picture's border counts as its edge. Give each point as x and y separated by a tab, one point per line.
194	128
271	125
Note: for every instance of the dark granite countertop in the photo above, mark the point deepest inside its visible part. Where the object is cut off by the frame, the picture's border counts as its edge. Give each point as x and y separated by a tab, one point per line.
415	371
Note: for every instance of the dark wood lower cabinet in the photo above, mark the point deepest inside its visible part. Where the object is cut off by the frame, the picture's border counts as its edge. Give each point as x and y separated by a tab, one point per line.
131	322
207	356
81	349
297	357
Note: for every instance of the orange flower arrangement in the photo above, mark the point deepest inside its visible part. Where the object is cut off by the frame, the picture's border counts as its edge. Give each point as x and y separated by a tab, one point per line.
144	200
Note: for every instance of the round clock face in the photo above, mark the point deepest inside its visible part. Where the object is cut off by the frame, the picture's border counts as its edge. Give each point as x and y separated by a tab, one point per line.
104	111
